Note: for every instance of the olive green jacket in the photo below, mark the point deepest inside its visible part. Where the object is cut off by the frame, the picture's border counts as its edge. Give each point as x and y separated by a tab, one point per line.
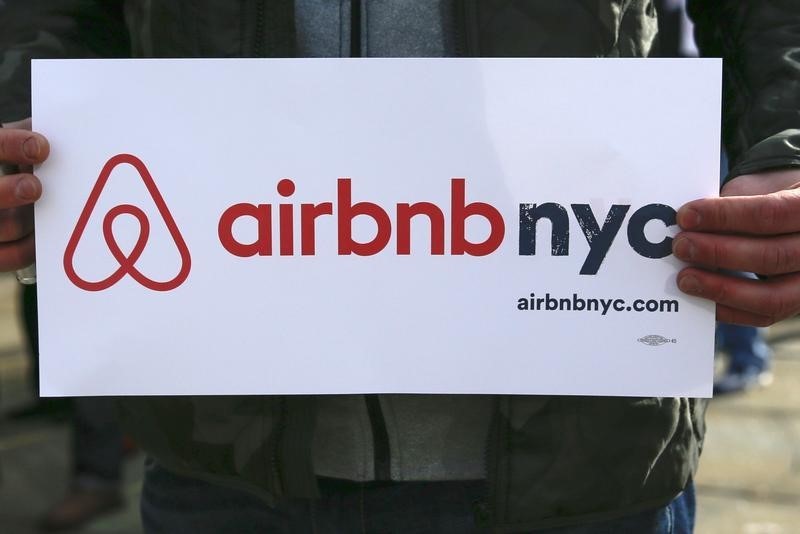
550	460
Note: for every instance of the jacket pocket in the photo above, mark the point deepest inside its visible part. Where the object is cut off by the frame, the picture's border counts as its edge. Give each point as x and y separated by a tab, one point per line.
228	438
577	459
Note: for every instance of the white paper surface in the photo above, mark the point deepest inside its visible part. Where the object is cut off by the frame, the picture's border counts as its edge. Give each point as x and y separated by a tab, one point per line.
215	133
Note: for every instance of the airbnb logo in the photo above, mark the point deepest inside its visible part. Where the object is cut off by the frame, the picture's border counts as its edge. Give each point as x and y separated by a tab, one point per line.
127	263
600	233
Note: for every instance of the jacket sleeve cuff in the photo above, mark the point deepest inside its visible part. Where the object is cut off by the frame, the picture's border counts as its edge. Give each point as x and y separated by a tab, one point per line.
780	151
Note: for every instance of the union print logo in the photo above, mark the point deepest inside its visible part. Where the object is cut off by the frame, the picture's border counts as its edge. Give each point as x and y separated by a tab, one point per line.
655	340
127	263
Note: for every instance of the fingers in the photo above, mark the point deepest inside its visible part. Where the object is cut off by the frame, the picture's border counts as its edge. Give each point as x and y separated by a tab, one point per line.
758	302
763	255
21	147
17	254
775	213
16	238
734	316
19	190
15	224
19	150
753	227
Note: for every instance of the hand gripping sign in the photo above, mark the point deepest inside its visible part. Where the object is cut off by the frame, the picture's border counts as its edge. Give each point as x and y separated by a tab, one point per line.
127	263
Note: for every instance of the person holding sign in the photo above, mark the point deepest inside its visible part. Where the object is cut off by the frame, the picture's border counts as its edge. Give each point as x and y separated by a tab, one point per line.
513	463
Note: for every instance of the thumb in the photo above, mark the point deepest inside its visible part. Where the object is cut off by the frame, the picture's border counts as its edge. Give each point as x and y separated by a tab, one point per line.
762	183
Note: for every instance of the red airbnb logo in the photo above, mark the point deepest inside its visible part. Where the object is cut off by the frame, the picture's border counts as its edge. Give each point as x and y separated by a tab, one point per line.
127	263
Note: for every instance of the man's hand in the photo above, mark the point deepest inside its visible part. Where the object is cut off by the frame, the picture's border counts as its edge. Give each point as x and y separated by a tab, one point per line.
20	149
753	227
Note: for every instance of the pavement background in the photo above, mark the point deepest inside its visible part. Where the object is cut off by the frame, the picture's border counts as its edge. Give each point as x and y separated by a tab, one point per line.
749	479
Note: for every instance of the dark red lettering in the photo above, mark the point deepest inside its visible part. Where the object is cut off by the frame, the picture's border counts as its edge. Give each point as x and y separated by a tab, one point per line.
460	212
286	218
404	214
308	235
349	211
262	246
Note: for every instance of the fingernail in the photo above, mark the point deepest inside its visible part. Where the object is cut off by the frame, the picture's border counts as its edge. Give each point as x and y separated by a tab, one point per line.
690	284
27	189
689	218
684	249
31	147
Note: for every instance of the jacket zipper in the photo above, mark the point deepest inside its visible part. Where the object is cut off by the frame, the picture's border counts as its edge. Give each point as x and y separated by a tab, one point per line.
355	28
258	33
466	45
485	510
277	437
380	435
380	439
466	31
459	28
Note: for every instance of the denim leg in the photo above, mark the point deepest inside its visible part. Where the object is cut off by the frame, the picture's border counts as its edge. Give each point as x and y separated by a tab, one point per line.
684	509
407	507
746	346
175	504
96	443
675	518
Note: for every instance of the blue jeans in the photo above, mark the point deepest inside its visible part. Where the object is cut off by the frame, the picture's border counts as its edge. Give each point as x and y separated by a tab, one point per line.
746	346
174	504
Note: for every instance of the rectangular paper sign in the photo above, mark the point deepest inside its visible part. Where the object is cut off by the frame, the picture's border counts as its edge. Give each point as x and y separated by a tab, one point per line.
368	226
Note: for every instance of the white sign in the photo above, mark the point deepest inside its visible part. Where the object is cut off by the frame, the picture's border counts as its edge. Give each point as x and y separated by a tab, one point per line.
366	226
